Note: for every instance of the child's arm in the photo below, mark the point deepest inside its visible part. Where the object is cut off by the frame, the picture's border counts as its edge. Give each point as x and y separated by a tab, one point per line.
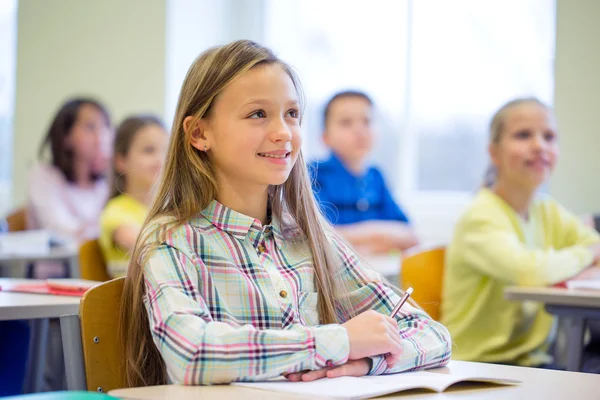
491	248
199	350
427	343
379	236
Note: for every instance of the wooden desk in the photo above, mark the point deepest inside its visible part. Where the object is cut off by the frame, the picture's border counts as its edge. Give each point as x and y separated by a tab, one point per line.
537	384
576	306
37	308
67	253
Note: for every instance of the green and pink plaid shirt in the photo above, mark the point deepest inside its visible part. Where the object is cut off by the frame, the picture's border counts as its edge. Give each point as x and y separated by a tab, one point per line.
231	300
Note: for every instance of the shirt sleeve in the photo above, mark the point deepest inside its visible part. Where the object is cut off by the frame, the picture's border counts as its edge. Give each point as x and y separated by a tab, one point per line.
319	186
46	202
114	216
492	247
391	211
199	350
573	230
426	343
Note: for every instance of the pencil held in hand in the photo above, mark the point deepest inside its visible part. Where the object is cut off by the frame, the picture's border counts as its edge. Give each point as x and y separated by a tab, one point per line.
401	302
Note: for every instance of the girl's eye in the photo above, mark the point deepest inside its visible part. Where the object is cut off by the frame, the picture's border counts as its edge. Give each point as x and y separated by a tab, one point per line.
294	113
523	134
258	114
549	136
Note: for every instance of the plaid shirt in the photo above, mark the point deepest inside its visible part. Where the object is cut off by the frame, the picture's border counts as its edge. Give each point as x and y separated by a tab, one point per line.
229	299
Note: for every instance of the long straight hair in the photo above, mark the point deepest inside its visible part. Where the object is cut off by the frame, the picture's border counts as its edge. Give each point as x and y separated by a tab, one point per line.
187	186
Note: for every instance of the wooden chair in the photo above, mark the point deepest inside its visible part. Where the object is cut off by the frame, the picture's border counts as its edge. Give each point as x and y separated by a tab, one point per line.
424	272
17	220
91	262
91	343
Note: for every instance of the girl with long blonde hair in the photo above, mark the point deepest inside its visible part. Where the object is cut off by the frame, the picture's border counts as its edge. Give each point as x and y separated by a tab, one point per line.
236	275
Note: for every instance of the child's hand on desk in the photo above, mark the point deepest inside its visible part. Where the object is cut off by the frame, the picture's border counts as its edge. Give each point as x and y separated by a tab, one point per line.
351	368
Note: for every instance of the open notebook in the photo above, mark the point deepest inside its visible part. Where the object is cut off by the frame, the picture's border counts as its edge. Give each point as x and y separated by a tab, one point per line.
372	386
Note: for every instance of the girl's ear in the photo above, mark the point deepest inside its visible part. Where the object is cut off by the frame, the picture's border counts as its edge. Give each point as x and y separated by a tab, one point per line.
195	130
493	152
120	163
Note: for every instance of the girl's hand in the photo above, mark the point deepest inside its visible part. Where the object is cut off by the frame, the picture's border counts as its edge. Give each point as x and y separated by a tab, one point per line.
351	368
373	334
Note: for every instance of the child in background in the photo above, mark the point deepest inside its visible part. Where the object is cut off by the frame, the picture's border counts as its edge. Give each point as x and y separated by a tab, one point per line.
236	275
139	152
66	196
510	235
352	194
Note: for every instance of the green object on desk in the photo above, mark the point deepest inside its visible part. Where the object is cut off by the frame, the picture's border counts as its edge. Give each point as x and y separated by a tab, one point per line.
65	395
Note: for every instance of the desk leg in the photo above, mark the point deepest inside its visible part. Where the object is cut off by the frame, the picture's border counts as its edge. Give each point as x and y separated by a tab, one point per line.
73	263
34	381
575	330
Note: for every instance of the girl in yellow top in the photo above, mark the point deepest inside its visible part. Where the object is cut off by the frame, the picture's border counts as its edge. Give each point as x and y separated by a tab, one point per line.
139	151
510	235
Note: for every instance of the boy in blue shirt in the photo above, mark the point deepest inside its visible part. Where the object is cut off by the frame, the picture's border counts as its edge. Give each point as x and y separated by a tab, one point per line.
352	194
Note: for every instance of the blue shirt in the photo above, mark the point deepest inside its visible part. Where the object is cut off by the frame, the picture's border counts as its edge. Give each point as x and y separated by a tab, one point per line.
346	198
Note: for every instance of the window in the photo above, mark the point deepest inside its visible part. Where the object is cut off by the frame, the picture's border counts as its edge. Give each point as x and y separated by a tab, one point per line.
437	71
467	58
8	34
345	44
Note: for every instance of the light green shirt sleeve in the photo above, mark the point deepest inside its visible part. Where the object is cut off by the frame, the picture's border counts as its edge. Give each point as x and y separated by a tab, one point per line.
492	247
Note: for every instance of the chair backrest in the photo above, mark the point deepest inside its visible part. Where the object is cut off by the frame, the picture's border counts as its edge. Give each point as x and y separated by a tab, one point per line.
102	355
424	272
17	220
91	262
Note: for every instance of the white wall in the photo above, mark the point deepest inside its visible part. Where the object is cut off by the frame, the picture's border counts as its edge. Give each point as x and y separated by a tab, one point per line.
577	104
193	26
111	49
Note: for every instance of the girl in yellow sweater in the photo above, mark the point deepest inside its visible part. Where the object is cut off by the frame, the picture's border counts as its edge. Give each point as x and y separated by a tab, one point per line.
511	235
139	151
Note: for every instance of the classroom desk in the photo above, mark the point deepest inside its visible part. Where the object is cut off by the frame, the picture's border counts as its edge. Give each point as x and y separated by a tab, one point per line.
387	265
67	253
37	308
576	306
537	384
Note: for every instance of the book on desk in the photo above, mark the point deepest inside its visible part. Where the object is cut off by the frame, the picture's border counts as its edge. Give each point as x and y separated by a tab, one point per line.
350	388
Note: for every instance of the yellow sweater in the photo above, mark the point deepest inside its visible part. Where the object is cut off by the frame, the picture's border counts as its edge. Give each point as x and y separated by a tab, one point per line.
120	210
493	247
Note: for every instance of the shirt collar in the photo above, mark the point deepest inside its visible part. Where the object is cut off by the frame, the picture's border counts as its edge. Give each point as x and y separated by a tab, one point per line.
239	225
339	165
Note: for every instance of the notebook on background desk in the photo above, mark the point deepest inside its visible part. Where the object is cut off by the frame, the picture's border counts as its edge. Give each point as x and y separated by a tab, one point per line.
60	287
350	388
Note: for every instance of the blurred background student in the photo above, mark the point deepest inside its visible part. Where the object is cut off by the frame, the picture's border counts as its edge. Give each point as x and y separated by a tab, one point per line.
352	193
139	151
512	235
66	195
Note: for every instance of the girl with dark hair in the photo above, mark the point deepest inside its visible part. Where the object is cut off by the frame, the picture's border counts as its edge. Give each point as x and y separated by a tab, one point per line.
66	195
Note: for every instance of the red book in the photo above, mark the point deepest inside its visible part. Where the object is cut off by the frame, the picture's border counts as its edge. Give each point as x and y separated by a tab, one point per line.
59	287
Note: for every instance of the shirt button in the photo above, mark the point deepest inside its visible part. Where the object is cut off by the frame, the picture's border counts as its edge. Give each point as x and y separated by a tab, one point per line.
283	294
262	248
329	363
267	229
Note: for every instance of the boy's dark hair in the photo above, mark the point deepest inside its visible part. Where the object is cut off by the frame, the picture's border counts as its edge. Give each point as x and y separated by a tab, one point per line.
343	95
65	118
